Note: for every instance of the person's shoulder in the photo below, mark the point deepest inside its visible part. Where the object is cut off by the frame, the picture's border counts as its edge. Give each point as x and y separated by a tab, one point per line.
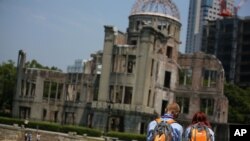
211	131
152	123
175	122
188	128
177	125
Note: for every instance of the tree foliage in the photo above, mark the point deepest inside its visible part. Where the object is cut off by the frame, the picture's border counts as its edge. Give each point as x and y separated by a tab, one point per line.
8	79
34	64
239	104
7	85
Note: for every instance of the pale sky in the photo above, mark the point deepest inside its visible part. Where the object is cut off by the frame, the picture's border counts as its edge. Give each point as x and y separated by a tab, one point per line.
57	32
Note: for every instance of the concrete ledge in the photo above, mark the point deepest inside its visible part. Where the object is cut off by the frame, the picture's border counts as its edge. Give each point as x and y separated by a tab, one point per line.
16	133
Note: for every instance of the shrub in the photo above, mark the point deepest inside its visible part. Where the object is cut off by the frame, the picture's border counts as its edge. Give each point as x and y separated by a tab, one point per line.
81	130
49	126
11	121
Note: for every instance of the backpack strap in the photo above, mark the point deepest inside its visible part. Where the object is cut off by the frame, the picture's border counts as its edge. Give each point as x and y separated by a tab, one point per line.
208	134
170	121
190	133
158	120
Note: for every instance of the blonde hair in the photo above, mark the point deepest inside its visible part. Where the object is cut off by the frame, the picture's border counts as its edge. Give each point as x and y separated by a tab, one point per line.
173	108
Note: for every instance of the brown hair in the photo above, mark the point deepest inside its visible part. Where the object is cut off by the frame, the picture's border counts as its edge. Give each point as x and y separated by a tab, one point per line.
173	108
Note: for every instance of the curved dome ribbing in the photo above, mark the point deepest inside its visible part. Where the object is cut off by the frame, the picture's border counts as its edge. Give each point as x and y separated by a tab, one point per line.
162	7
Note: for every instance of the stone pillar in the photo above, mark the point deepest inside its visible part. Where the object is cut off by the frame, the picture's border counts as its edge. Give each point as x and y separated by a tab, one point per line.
143	67
109	40
20	72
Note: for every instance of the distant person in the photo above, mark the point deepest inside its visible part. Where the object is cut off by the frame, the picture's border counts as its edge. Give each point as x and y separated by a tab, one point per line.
167	121
26	136
38	137
26	121
30	136
200	129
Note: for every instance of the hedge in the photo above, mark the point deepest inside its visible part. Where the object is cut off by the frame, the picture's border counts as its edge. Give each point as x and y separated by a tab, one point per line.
50	126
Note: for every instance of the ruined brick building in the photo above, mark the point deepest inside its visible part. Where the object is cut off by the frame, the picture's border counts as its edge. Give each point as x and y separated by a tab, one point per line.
141	72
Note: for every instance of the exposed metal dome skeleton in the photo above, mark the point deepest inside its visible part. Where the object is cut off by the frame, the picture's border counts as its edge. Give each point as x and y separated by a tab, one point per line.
162	7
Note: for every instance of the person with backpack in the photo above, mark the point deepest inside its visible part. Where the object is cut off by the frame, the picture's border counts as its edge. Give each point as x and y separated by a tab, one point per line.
165	128
200	129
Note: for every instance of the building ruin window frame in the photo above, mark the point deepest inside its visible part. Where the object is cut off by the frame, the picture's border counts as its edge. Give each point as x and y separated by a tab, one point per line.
24	112
67	116
44	115
169	52
167	82
152	67
46	89
60	91
184	103
128	95
208	108
149	98
27	88
209	77
116	94
53	90
32	89
131	62
119	94
187	74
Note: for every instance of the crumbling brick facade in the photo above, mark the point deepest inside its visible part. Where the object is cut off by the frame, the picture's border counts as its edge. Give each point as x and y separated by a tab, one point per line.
201	87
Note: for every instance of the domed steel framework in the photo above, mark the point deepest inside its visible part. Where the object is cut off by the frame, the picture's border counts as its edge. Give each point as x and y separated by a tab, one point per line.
165	7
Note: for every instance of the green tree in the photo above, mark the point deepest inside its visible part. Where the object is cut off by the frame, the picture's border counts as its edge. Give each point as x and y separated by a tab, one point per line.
34	64
239	104
7	85
8	76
